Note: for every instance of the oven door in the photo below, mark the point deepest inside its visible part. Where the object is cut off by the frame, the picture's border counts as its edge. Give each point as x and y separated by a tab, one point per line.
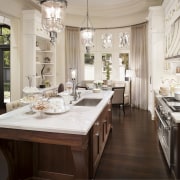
164	135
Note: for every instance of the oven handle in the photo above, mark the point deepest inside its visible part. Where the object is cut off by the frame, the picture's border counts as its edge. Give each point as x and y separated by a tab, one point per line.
163	123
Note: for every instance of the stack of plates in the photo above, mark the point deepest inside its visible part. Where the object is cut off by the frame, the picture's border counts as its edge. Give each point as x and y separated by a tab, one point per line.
96	90
164	91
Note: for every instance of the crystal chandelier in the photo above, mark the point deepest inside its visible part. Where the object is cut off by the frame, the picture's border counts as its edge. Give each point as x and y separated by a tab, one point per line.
53	12
87	32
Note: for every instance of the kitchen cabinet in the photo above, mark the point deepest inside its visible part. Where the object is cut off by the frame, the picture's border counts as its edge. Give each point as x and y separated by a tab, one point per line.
100	132
176	150
59	146
39	56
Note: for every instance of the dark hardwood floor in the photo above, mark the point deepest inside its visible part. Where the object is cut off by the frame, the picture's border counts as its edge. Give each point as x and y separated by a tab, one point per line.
132	150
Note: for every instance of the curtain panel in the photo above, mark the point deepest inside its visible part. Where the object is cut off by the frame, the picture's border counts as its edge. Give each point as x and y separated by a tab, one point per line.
72	51
139	64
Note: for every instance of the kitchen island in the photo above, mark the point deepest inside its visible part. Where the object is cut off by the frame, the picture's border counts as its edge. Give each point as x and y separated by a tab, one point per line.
58	146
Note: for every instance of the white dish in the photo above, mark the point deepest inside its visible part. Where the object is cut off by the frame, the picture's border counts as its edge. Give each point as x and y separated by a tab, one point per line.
57	111
96	90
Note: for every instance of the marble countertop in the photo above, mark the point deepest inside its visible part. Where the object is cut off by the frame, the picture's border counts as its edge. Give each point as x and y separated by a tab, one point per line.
78	120
175	115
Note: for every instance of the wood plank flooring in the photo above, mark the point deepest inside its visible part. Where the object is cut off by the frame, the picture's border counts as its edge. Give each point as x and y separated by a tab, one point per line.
132	150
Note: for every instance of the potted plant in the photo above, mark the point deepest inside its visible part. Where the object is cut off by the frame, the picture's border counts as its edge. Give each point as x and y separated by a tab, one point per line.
108	73
107	70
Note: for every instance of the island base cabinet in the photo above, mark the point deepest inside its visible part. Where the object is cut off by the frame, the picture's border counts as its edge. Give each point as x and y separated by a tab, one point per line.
55	156
100	132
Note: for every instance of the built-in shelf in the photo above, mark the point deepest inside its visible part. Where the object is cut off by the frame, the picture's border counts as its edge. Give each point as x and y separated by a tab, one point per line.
39	54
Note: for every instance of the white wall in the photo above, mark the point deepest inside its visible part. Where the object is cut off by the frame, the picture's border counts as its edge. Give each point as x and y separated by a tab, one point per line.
155	51
160	31
12	9
60	58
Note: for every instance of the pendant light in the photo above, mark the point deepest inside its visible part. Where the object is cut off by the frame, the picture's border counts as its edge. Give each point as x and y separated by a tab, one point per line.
53	12
87	32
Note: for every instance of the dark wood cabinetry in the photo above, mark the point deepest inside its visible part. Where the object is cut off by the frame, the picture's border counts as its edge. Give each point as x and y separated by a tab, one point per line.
100	132
176	150
56	155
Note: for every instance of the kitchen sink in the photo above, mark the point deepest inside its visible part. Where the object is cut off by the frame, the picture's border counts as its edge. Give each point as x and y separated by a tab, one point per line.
88	102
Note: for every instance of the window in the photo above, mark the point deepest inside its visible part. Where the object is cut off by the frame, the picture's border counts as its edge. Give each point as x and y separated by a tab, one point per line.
4	34
89	66
4	64
123	65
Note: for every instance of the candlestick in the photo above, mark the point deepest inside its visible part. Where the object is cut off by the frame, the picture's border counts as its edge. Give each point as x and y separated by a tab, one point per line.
73	74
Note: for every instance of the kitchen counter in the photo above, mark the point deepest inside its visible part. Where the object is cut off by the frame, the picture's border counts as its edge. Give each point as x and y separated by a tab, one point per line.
175	115
78	120
57	146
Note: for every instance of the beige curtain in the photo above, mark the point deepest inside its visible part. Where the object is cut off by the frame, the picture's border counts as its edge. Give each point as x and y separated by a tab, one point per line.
139	63
72	50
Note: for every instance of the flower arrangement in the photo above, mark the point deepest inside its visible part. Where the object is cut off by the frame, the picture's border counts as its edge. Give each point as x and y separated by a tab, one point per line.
98	83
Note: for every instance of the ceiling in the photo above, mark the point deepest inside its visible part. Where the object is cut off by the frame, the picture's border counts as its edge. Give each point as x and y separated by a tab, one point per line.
126	12
110	8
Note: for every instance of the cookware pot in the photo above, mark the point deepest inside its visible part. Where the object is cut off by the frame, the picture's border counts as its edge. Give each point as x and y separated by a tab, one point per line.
177	95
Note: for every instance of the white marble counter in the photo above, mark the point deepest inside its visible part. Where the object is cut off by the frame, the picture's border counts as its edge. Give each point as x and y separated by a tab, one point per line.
176	117
78	120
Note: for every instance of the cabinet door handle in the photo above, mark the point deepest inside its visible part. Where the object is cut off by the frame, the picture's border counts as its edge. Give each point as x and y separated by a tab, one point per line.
109	109
105	121
97	135
104	127
97	123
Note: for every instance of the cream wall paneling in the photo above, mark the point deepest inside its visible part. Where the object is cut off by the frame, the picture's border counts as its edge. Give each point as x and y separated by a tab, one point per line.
155	52
16	60
115	50
60	58
37	52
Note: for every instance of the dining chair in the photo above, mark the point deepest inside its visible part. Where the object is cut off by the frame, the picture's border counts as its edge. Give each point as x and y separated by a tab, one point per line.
10	106
118	97
61	87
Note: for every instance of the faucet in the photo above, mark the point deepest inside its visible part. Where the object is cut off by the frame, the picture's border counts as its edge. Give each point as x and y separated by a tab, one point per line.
75	94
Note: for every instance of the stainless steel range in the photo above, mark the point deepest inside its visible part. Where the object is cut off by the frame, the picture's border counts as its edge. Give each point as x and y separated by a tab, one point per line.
164	107
172	103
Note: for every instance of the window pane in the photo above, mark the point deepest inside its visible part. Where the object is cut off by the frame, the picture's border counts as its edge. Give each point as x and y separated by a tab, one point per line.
4	35
6	75
89	67
6	58
89	72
